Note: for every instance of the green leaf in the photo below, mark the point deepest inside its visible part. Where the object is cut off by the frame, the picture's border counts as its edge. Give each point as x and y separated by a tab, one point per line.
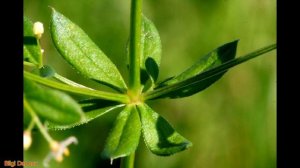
82	53
124	137
151	51
89	116
213	59
53	105
188	84
31	47
160	137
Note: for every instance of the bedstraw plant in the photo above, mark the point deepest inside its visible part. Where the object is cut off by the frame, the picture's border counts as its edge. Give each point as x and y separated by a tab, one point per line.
48	106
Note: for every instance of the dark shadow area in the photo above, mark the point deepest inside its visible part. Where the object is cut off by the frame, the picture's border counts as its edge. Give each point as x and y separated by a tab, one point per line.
92	104
152	68
110	86
227	51
29	40
144	76
106	163
164	132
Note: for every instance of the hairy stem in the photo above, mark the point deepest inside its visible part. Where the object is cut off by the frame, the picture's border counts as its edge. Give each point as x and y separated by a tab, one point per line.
135	45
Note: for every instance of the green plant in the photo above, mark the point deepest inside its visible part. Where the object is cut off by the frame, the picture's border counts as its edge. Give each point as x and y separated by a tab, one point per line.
60	111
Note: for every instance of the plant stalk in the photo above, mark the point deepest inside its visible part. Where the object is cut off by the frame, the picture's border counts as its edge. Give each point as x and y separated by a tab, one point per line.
128	161
83	91
134	62
135	46
37	121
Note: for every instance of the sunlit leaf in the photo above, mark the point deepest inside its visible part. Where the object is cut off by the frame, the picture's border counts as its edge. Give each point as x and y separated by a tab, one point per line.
82	53
151	50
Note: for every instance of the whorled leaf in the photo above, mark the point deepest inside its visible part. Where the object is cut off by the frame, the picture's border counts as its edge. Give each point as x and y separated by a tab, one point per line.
124	137
150	52
52	105
82	53
31	48
89	116
187	84
160	137
213	59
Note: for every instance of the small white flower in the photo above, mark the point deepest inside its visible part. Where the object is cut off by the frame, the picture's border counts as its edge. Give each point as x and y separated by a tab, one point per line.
38	29
58	149
27	140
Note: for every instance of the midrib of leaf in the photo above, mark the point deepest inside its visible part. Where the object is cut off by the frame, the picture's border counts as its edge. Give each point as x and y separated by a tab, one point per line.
124	127
207	74
93	62
95	93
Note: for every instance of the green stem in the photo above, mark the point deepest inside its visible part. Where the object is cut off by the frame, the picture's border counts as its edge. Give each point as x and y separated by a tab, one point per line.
37	121
128	161
31	125
41	55
83	91
135	45
134	62
207	74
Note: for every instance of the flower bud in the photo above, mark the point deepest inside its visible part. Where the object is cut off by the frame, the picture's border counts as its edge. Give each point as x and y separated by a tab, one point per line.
27	140
38	29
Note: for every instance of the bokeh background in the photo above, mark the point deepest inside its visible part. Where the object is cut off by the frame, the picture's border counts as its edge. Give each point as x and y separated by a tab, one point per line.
232	124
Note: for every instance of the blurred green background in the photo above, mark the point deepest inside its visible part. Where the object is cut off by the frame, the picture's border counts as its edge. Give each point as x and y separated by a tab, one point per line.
232	124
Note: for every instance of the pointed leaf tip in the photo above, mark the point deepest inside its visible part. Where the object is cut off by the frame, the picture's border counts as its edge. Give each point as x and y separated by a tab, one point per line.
213	59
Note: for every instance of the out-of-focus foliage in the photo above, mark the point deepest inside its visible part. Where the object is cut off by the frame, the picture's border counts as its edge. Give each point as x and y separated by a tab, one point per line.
231	124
